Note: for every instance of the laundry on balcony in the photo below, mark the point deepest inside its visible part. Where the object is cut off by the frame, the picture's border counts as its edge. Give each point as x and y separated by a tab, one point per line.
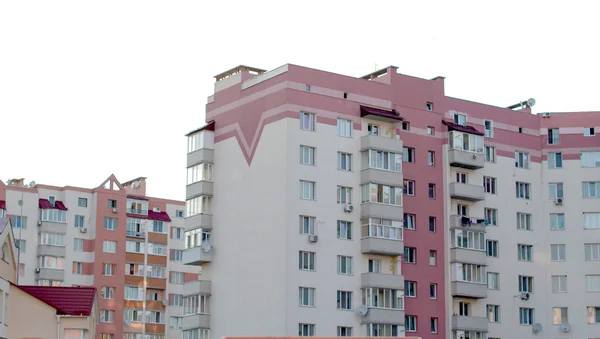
466	221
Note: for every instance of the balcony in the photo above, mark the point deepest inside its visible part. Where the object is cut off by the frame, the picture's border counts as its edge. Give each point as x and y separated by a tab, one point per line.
52	227
468	290
467	256
383	211
391	281
199	188
465	159
199	221
382	239
380	176
463	323
381	246
135	234
464	223
466	192
137	211
197	287
196	256
195	321
383	316
199	156
51	274
54	251
381	143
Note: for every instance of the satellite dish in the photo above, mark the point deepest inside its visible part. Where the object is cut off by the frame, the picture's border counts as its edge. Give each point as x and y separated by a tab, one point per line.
32	184
363	310
165	302
537	328
531	102
565	327
205	246
136	184
127	322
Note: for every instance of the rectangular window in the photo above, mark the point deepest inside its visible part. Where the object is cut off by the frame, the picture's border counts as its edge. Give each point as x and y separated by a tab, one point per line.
491	215
553	136
307	155
432	258
460	119
344	264
109	246
410	289
524	221
77	268
591	221
410	221
372	129
523	190
526	316
556	191
110	223
469	240
78	245
522	160
592	251
176	278
344	331
344	230
430	130
431	190
433	325
198	205
179	214
592	283
53	215
559	283
344	195
558	252
560	315
593	314
176	255
465	142
82	202
18	221
470	273
344	128
554	160
52	239
493	313
591	189
410	255
387	161
374	266
305	330
344	161
431	158
557	221
589	132
107	292
489	128
409	187
306	261
107	316
408	154
112	203
307	190
410	323
200	172
307	225
306	296
590	159
177	233
489	185
432	224
492	248
383	194
383	298
405	126
307	121
79	221
493	281
525	284
109	269
432	291
525	252
344	300
21	245
462	210
490	154
461	177
175	322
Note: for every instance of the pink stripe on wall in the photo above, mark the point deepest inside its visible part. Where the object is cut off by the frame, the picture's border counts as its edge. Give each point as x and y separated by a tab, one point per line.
88	268
88	245
187	277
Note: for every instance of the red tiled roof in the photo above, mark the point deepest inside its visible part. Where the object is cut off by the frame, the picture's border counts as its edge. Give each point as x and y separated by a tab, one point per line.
393	114
137	197
159	216
210	126
66	300
2	205
460	128
45	204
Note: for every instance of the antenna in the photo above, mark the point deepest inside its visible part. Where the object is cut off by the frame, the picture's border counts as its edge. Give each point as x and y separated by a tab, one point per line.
205	246
375	66
363	310
537	328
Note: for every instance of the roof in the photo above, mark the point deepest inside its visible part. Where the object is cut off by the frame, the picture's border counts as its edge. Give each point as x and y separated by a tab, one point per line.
136	197
380	113
159	216
45	204
76	301
210	126
460	128
238	69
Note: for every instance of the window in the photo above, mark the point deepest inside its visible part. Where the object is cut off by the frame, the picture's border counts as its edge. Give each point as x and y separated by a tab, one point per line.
383	298
107	336
78	245
589	132
432	291
432	226
462	210
554	160
387	161
198	205
307	155
556	190
470	273
77	268
344	195
409	187
489	128
470	240
429	106
344	127
524	221
461	177
107	316
591	221
306	330
560	315
109	246
591	189
374	266
592	283
410	289
372	129
175	322
107	292
465	142
410	255
557	221
559	283
307	190
179	214
491	215
157	227
430	130
344	331
493	313
306	296
489	185
383	194
432	258
109	269
344	161
460	119
553	136
522	160
53	215
410	221
525	284
525	252
431	158
21	245
431	191
307	121
197	333
523	190
18	221
526	316
405	126
196	237
590	159
79	221
52	239
410	323
344	264
308	90
176	299
492	248
490	154
307	225
110	224
344	300
592	252
133	293
176	278
177	233
344	230
82	202
384	330
493	281
196	304
408	154
134	246
306	261
558	252
176	255
21	270
112	203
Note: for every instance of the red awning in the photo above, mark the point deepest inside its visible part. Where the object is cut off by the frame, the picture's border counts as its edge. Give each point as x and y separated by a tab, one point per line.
58	205
460	128
2	205
137	197
380	113
159	216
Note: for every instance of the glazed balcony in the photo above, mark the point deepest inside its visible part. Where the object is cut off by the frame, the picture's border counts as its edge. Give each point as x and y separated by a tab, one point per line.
465	223
468	323
391	281
54	251
195	321
199	156
51	274
380	239
466	192
199	188
381	143
465	149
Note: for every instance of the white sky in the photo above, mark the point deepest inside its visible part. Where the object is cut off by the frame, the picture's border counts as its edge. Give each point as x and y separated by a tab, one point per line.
93	88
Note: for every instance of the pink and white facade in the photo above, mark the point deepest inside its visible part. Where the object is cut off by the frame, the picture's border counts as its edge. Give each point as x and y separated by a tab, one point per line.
322	204
72	236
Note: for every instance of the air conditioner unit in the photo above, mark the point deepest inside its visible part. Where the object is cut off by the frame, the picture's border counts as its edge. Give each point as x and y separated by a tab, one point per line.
545	115
37	270
313	238
83	230
558	202
40	223
156	209
115	210
348	208
524	296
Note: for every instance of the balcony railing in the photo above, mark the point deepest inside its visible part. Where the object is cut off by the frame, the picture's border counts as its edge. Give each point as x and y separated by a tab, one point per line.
137	211
135	234
382	231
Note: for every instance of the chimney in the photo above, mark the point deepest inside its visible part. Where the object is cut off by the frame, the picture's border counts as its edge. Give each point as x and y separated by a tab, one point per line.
17	182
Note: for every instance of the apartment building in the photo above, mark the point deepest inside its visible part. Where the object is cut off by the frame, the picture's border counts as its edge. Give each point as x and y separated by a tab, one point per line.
72	236
320	204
